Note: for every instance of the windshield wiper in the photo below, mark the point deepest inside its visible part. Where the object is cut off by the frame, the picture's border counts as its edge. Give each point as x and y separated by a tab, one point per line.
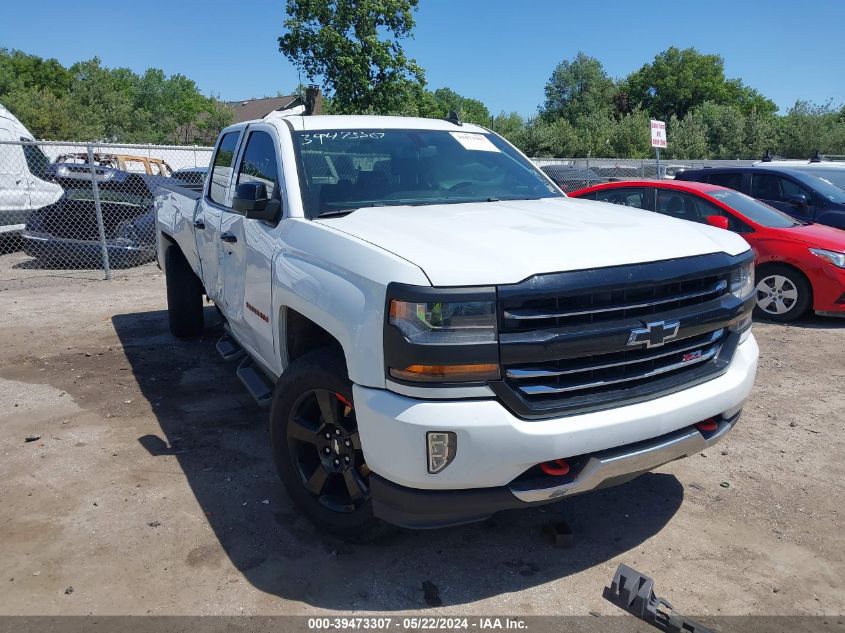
336	213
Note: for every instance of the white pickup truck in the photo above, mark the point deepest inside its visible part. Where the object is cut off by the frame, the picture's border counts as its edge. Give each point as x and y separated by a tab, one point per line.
442	333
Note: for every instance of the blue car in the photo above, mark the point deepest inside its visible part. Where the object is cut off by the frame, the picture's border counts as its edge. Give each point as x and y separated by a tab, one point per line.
66	233
802	195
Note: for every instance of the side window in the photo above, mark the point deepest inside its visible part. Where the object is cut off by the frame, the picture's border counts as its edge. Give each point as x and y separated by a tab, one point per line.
221	169
628	196
678	204
731	181
790	188
259	163
734	224
36	160
777	188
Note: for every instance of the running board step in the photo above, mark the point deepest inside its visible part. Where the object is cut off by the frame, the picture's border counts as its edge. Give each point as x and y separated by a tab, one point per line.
256	382
228	347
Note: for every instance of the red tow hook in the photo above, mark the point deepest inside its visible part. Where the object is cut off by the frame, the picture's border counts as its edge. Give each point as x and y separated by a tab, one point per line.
707	425
556	468
343	400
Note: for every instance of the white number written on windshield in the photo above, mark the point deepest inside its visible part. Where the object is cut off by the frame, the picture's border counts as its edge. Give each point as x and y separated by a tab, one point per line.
326	137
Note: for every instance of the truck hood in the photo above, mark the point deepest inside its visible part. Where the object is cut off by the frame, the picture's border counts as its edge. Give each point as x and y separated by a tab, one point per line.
488	243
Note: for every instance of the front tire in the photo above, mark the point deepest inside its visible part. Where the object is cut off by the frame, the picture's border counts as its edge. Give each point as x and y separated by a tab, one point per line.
783	293
184	295
317	449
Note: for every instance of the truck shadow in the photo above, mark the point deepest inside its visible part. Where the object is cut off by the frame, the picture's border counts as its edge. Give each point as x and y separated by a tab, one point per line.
219	437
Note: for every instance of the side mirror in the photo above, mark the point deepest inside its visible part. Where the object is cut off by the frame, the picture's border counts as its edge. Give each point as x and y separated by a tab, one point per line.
719	221
251	200
799	200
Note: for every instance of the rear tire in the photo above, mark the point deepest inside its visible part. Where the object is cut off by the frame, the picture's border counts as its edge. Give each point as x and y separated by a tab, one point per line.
783	293
184	295
317	450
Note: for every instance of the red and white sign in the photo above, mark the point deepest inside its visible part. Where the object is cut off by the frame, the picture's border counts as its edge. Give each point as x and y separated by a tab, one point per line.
658	133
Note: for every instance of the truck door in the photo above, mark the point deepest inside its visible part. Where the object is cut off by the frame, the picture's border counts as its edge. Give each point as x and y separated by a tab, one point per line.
247	264
207	219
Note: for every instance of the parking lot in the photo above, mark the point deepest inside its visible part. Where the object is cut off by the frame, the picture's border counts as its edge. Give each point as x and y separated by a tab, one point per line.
150	488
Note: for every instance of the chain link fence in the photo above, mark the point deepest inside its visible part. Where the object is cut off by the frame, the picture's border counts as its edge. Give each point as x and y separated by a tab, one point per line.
85	210
571	174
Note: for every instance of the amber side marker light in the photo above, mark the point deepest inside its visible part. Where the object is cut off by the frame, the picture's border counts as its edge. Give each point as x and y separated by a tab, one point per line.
447	373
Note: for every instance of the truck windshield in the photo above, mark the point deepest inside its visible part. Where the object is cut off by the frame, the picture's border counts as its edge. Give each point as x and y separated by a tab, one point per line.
344	170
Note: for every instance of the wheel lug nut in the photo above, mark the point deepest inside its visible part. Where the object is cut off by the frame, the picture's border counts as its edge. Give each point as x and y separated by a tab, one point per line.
346	459
337	431
337	462
327	450
347	443
328	435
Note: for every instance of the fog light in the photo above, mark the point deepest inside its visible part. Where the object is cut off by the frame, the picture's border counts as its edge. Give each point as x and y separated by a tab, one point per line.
442	446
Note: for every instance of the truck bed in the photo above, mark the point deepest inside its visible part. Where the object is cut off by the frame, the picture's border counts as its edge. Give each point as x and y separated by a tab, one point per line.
189	190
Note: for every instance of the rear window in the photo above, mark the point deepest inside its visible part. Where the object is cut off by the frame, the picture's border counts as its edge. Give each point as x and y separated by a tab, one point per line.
221	170
731	181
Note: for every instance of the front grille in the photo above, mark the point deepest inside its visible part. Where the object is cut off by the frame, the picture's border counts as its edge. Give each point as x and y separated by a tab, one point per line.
565	338
594	307
602	372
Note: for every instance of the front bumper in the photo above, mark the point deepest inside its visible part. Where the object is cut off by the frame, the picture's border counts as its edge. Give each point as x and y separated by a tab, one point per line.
421	509
85	253
494	447
828	290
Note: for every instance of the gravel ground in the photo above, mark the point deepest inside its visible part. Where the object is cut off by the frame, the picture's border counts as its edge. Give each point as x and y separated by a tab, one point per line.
151	489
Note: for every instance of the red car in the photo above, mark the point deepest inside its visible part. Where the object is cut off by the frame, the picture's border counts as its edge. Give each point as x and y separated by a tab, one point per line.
799	266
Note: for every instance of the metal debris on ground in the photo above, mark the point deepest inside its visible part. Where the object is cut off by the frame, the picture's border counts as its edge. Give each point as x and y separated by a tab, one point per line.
559	533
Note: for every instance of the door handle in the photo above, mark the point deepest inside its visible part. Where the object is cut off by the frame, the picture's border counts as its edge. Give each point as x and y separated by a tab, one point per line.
228	237
199	224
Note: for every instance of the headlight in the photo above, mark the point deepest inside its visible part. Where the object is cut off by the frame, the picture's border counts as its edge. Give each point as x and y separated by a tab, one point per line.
742	281
441	335
441	322
127	233
837	259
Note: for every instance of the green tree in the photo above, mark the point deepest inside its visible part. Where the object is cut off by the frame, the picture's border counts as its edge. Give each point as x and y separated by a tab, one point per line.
679	80
687	137
809	127
630	136
91	102
355	47
577	89
469	110
510	125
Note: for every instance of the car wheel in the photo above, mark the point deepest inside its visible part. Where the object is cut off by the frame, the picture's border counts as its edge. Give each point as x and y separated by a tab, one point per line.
783	293
317	449
184	295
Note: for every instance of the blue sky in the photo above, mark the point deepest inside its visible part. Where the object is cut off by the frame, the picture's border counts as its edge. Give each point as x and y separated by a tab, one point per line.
499	51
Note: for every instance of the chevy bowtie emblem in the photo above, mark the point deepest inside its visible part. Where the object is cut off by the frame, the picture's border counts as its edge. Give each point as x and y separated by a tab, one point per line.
654	334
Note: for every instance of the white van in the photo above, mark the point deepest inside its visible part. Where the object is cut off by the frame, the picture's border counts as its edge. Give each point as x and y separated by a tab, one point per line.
22	184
